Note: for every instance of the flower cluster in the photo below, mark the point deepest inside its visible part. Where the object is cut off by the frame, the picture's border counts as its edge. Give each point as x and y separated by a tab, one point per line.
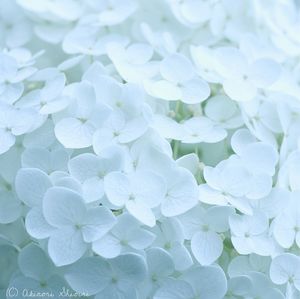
150	149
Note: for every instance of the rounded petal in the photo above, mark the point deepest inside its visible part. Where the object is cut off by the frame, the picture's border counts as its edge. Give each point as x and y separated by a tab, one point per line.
206	247
10	207
108	246
74	133
182	193
285	267
98	221
174	289
117	188
36	224
84	166
195	91
176	68
209	282
31	185
141	212
89	275
66	246
62	207
34	263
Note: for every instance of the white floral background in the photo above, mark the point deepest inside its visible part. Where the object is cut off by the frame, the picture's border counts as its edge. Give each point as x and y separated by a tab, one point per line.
150	149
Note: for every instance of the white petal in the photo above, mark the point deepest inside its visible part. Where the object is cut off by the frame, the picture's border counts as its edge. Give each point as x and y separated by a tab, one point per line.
66	246
211	196
90	275
130	269
98	222
260	158
31	185
195	91
84	166
159	262
108	246
62	207
174	289
206	247
73	133
239	90
284	229
7	140
117	188
140	238
181	257
264	72
209	282
284	267
141	212
36	224
10	207
182	193
176	68
163	89
148	187
34	263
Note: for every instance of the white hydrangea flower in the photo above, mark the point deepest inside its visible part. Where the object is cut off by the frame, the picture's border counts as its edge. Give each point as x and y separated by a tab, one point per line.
241	79
250	233
206	282
126	235
139	192
74	225
284	269
108	278
179	82
170	236
37	273
204	228
150	149
77	129
91	170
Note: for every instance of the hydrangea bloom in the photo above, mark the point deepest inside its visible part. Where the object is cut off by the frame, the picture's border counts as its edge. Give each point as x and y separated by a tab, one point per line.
150	149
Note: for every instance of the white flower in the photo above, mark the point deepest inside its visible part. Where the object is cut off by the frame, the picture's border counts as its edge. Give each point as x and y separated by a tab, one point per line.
227	183
169	236
15	28
284	269
223	111
139	192
112	12
133	63
286	224
86	115
204	282
75	225
50	99
202	129
108	278
8	262
37	273
203	228
126	235
191	13
91	170
14	122
160	267
179	82
242	79
45	160
118	130
249	233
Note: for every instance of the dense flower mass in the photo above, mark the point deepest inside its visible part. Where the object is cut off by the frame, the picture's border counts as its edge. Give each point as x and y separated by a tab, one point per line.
150	149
